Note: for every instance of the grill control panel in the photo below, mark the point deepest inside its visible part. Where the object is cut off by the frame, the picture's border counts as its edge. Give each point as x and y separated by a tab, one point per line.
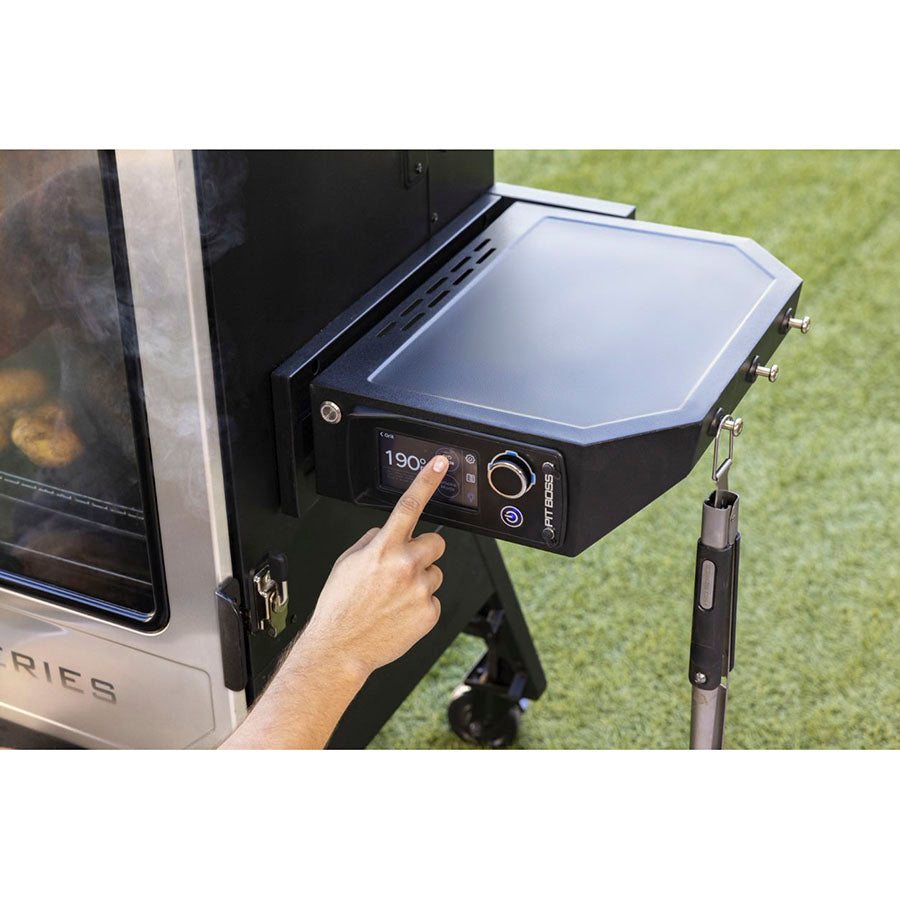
505	488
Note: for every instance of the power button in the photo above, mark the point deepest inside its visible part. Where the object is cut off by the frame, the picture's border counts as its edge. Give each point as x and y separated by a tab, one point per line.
511	516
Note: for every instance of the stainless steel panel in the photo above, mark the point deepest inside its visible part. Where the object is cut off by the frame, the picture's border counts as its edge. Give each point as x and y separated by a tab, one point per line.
51	674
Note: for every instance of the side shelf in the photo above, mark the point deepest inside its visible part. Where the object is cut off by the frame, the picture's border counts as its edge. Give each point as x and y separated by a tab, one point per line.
597	352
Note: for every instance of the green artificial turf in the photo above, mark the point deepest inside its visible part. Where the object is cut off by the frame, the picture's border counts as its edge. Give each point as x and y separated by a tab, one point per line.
818	652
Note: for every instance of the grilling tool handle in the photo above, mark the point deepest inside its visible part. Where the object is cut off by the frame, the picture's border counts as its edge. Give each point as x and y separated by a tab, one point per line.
714	619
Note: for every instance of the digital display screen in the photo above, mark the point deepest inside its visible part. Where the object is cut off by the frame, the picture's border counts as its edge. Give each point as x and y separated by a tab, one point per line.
400	458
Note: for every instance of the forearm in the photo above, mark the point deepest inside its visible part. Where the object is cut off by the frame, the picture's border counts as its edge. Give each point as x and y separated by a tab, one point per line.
377	602
303	703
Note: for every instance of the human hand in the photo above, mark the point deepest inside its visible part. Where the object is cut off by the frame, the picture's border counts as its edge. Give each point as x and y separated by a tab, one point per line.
379	598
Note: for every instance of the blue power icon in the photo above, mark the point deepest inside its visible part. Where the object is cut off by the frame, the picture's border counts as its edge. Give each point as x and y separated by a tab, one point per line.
511	516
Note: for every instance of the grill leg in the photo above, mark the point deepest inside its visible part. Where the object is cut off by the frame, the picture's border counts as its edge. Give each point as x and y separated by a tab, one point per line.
487	707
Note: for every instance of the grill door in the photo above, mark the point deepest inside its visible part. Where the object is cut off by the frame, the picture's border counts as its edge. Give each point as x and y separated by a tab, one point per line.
110	464
74	490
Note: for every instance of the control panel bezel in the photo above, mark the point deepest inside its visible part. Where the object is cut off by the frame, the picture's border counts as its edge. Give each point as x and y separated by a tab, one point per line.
544	506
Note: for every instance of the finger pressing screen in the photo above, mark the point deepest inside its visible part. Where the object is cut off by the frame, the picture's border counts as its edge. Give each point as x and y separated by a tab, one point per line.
405	515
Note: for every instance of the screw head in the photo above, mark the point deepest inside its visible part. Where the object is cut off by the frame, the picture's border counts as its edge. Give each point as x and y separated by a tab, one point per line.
735	426
330	412
434	217
768	372
699	678
419	168
803	324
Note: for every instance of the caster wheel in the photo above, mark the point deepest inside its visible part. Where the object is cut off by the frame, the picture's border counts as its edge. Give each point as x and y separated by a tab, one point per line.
481	717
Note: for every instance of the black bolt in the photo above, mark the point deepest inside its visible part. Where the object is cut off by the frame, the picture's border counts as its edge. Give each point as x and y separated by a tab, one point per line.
434	217
419	168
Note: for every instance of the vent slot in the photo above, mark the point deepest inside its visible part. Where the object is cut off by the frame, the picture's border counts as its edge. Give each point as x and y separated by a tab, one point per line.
411	306
415	312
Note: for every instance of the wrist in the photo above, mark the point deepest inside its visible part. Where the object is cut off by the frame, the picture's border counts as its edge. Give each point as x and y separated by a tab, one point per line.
313	651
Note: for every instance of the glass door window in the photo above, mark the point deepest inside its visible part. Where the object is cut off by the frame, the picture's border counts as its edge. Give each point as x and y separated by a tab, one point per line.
74	485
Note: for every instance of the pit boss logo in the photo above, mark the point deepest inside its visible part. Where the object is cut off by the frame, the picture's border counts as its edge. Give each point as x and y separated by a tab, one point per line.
548	499
23	665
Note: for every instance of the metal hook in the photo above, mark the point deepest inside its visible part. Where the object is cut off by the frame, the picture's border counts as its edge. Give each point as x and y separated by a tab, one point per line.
734	426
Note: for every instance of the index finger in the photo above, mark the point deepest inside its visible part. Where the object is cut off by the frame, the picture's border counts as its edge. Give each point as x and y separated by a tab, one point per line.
405	515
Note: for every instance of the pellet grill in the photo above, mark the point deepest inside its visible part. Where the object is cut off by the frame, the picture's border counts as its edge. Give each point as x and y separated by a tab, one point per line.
218	368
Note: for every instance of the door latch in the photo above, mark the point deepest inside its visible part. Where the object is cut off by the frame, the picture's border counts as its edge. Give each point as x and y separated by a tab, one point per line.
270	581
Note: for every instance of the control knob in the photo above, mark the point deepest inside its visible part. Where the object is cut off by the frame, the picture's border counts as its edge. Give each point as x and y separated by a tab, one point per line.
510	475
